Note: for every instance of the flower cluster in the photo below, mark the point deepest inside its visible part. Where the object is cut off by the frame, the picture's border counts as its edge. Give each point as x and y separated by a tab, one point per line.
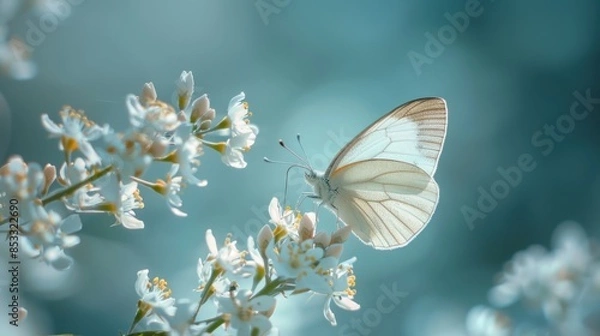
102	171
289	256
103	168
560	283
15	53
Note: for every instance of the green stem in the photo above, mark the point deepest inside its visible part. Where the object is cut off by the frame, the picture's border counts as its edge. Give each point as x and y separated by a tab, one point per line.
269	288
68	191
205	293
223	124
213	326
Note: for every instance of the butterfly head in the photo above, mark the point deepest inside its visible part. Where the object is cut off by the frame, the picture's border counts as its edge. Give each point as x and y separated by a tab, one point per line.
312	177
320	184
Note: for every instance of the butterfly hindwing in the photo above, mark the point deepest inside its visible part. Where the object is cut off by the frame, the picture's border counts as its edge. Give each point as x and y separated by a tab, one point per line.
385	202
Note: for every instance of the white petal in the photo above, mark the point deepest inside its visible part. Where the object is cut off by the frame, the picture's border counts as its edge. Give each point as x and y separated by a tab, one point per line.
504	295
71	224
70	241
141	284
136	110
329	315
168	306
236	100
275	210
130	222
211	242
50	126
263	303
346	303
234	158
29	248
261	322
177	212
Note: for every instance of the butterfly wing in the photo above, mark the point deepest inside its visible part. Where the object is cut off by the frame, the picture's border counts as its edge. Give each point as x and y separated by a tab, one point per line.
385	202
412	133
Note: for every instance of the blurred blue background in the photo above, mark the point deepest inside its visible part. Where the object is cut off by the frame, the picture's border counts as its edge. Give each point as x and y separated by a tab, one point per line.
325	70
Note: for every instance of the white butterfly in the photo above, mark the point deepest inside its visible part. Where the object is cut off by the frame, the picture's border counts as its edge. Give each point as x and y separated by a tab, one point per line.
381	183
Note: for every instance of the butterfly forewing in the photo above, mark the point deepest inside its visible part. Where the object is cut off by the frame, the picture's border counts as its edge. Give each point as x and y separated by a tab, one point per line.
412	133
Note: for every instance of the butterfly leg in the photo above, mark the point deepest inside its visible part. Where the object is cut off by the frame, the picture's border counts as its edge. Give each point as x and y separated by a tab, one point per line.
317	212
338	222
302	198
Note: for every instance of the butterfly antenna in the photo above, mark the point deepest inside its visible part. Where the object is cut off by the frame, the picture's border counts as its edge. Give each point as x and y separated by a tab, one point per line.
303	160
287	173
303	151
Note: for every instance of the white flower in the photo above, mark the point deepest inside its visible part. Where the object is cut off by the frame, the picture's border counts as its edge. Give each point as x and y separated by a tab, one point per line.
155	295
187	162
247	312
484	321
169	189
85	197
14	57
201	115
121	200
257	259
172	188
532	275
75	133
20	180
228	258
130	200
552	281
238	114
335	281
128	154
292	259
185	89
47	235
233	157
204	270
242	133
285	218
573	253
156	119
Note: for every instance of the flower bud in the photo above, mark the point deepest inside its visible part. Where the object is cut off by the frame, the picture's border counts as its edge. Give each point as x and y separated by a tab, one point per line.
265	235
49	177
306	229
199	107
322	239
341	235
148	95
334	250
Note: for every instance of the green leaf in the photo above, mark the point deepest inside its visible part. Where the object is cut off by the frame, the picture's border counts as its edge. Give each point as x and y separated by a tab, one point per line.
150	333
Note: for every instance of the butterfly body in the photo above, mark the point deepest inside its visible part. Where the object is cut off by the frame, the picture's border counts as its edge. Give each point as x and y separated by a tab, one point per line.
381	183
322	189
